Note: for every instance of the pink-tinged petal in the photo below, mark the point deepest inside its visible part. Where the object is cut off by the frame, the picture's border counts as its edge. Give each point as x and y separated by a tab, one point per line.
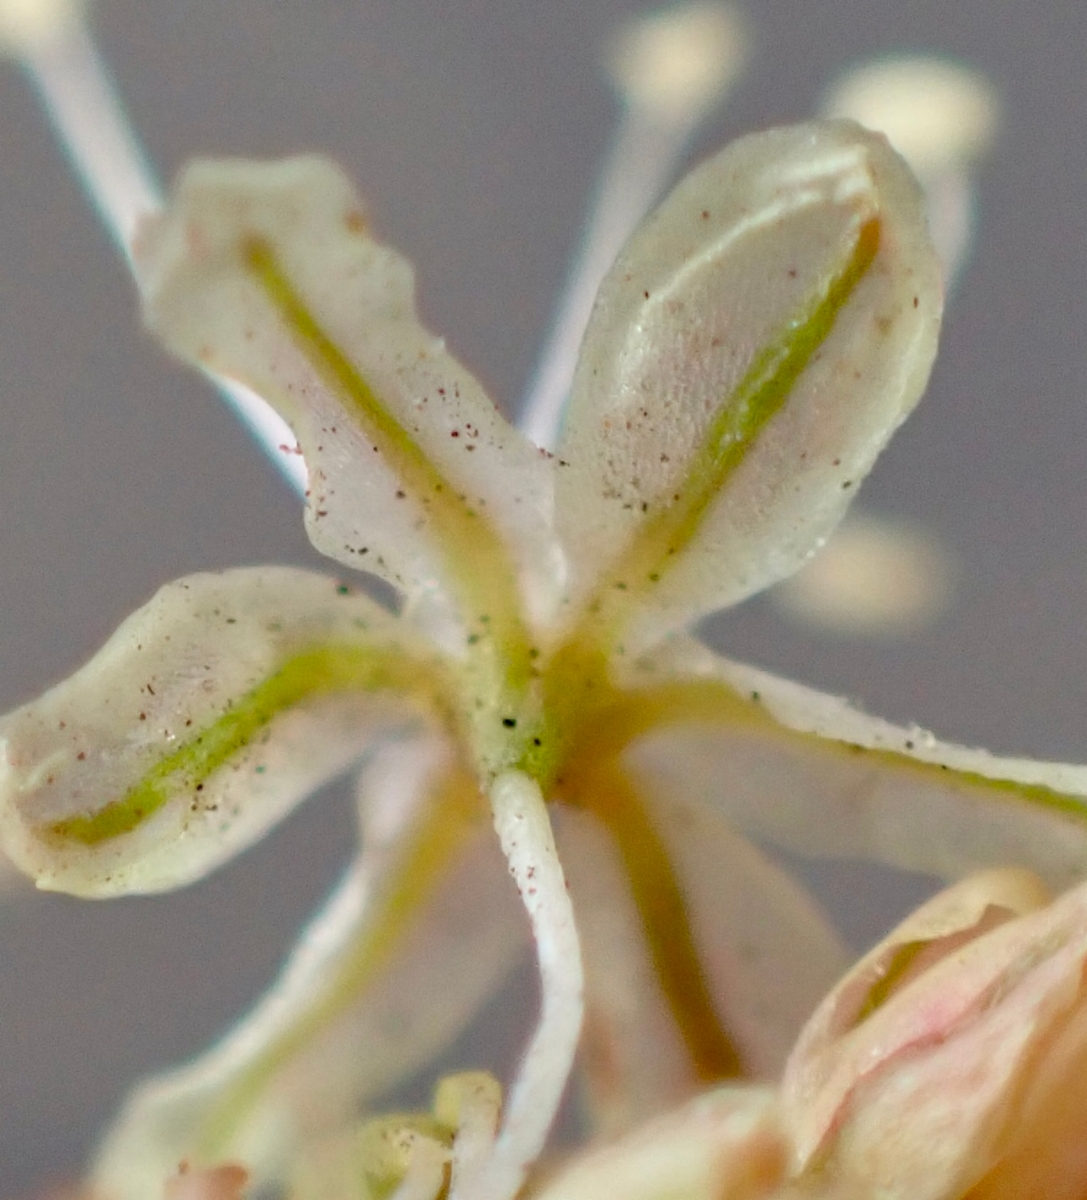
1047	1150
726	1145
951	1057
209	713
822	1069
811	773
752	350
420	933
267	273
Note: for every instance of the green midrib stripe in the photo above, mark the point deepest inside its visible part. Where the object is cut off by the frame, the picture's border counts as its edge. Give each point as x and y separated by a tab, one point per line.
474	555
760	395
319	671
659	897
632	714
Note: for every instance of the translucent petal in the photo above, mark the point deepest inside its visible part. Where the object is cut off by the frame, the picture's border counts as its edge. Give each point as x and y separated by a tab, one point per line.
766	953
209	713
752	350
420	933
809	772
632	1056
268	274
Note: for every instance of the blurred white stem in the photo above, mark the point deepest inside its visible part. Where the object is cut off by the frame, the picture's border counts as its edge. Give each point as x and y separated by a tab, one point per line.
643	159
671	68
82	104
520	818
78	95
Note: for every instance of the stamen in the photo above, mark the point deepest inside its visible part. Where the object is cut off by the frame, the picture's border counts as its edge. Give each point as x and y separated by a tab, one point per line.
520	818
55	48
670	69
941	117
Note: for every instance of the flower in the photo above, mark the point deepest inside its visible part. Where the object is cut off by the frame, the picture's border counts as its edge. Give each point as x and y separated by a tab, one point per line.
750	353
948	1063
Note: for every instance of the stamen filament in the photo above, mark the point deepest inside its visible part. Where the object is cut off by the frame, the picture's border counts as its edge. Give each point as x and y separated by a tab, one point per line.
82	104
78	94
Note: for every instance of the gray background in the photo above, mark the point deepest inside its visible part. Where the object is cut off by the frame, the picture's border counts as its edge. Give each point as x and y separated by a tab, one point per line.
474	130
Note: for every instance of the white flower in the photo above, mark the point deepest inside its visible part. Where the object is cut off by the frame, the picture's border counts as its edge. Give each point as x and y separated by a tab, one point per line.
750	353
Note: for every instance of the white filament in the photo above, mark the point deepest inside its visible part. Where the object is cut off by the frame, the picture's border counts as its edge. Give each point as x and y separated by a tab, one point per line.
78	95
86	114
520	818
670	69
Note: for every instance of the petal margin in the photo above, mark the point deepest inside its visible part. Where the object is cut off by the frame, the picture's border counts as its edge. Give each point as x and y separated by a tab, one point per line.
811	773
208	714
